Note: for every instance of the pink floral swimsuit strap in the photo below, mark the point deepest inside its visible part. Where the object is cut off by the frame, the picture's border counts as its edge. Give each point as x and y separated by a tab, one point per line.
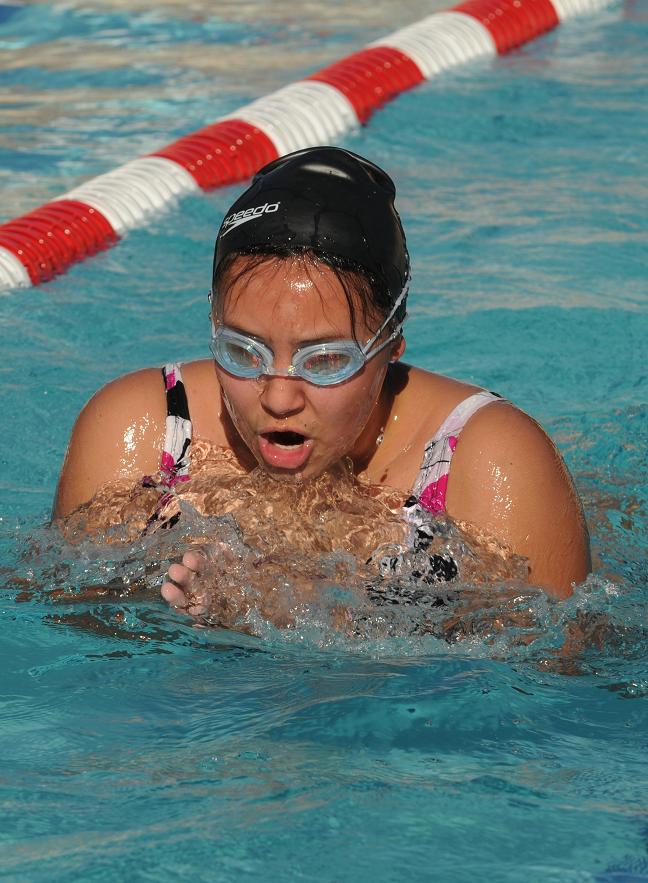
432	482
175	460
174	465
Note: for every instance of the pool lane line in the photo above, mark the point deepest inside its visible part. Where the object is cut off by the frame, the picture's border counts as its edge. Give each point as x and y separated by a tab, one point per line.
319	109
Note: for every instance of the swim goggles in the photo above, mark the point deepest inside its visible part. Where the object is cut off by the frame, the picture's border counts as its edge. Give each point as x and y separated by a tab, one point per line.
323	364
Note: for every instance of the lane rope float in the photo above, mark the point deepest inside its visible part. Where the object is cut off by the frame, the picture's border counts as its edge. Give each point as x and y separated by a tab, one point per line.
317	110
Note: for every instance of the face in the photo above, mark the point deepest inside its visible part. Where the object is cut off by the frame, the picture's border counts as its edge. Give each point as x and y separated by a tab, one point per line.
294	429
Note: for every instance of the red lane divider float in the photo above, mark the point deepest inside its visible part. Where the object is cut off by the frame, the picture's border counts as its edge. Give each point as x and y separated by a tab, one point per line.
512	22
371	77
317	110
221	153
49	239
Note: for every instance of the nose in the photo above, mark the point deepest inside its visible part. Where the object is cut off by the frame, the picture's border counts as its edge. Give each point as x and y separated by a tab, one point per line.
282	396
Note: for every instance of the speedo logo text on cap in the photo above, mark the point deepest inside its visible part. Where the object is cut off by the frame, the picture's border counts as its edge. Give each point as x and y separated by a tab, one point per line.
250	214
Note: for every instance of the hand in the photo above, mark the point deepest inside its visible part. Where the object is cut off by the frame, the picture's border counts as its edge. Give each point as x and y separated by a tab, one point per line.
182	581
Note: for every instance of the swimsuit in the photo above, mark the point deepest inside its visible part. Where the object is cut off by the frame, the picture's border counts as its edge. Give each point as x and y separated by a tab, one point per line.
428	494
431	485
174	463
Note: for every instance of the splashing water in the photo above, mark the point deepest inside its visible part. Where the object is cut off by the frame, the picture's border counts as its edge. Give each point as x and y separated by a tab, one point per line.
325	564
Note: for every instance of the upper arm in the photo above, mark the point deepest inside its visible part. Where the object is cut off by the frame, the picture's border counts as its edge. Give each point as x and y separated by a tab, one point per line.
117	436
509	480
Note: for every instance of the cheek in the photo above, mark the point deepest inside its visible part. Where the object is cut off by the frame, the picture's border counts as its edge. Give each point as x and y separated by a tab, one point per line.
240	399
348	416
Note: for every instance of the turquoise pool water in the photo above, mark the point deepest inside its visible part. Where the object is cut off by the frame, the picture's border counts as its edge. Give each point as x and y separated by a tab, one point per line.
135	747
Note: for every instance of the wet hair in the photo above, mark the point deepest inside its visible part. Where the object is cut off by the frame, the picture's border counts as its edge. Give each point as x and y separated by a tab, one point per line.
329	207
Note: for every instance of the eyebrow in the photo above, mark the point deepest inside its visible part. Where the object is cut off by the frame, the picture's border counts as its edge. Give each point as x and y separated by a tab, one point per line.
304	343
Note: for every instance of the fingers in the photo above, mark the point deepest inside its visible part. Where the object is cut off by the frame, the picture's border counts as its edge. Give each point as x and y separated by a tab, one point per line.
194	561
182	576
178	587
173	595
184	587
177	598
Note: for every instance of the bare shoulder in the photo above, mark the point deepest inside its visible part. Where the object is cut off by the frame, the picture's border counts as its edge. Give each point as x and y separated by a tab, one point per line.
117	436
509	479
502	437
128	392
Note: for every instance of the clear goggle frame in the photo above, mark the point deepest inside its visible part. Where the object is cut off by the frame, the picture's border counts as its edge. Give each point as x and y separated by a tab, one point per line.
323	364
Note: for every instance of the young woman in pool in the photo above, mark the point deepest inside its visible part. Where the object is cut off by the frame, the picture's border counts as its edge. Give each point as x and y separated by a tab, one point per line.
308	299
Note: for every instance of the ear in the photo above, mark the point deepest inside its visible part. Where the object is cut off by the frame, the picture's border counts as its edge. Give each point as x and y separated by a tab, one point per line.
397	350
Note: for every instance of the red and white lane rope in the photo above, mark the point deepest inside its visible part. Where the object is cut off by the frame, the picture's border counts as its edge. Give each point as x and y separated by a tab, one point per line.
317	110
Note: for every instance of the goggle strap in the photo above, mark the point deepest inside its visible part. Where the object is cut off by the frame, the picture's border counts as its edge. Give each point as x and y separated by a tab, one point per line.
399	300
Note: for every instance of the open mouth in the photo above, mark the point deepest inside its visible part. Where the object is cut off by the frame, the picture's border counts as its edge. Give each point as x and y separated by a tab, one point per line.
285	439
285	449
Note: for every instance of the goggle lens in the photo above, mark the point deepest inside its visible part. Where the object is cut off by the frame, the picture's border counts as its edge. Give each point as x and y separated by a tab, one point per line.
237	355
327	365
244	358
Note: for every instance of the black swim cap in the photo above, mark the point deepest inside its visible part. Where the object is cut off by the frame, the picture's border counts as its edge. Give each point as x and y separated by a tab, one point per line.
326	199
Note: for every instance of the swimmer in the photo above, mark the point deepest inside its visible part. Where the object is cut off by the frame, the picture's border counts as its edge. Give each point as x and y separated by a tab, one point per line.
308	299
